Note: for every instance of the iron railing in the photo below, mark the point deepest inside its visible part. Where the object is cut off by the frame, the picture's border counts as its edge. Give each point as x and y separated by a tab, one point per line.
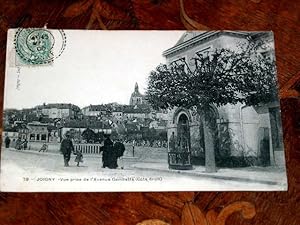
88	148
179	160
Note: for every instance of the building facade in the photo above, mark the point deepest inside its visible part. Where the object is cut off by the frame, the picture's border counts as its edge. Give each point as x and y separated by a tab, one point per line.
37	132
240	131
58	110
117	113
137	111
95	110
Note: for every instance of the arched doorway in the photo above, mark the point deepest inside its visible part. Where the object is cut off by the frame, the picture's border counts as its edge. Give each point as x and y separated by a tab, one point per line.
183	133
179	156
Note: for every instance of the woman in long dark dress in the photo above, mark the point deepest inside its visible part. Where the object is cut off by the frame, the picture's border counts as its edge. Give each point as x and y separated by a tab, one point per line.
7	142
108	157
119	150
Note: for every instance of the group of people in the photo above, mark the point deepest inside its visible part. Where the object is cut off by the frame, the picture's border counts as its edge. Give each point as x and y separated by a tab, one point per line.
19	143
110	152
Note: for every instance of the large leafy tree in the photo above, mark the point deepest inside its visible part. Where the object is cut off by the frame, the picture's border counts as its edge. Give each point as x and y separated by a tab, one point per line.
89	135
219	78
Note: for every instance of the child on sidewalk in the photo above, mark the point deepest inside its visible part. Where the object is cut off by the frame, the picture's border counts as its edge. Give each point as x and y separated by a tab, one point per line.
79	157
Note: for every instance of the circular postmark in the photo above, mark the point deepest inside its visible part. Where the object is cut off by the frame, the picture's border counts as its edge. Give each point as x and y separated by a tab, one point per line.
35	46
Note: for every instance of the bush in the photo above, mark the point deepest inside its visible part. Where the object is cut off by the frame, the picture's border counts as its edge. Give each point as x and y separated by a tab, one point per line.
228	162
198	161
236	161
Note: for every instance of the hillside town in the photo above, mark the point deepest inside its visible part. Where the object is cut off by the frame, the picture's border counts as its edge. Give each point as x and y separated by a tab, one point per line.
242	134
47	124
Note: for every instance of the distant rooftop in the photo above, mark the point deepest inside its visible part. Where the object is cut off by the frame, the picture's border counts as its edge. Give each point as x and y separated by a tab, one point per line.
59	106
36	123
142	108
86	124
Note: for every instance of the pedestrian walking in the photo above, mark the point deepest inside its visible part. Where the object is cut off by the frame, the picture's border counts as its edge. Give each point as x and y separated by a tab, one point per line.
133	145
79	157
66	148
18	144
25	143
119	149
7	142
109	158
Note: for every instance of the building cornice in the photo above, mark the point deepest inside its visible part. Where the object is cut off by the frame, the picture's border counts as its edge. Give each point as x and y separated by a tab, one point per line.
202	37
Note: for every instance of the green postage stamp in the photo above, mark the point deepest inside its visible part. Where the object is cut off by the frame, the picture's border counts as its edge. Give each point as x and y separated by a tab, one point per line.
38	46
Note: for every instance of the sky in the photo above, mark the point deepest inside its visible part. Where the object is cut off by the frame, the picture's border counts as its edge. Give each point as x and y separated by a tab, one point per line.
96	67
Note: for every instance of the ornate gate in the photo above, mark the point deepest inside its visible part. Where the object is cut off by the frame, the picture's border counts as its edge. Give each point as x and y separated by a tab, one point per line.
179	156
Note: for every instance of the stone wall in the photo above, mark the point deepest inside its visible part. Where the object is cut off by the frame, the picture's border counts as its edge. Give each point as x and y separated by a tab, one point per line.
238	133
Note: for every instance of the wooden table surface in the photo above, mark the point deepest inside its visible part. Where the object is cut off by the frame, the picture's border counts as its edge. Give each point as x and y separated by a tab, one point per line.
175	208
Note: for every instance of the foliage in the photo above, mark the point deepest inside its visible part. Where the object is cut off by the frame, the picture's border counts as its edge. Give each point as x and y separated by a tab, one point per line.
146	134
152	135
114	135
89	135
224	76
99	137
217	78
75	134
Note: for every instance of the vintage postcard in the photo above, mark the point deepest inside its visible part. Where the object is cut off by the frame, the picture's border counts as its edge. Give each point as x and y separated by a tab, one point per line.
107	111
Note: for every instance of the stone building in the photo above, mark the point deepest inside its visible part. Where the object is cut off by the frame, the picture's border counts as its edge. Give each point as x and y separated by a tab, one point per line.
241	132
95	110
158	124
58	110
141	111
117	113
38	132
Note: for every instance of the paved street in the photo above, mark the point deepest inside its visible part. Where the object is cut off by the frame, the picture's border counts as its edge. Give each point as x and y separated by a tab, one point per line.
41	169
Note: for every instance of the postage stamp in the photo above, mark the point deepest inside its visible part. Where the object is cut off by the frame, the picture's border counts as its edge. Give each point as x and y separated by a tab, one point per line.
38	46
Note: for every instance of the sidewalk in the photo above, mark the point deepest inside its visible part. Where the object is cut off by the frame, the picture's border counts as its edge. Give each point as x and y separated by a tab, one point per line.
58	153
263	175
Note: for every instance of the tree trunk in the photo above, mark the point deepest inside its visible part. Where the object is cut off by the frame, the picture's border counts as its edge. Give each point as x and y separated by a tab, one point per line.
210	162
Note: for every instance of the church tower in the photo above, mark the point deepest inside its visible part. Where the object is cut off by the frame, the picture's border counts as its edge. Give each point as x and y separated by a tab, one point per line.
136	97
136	88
